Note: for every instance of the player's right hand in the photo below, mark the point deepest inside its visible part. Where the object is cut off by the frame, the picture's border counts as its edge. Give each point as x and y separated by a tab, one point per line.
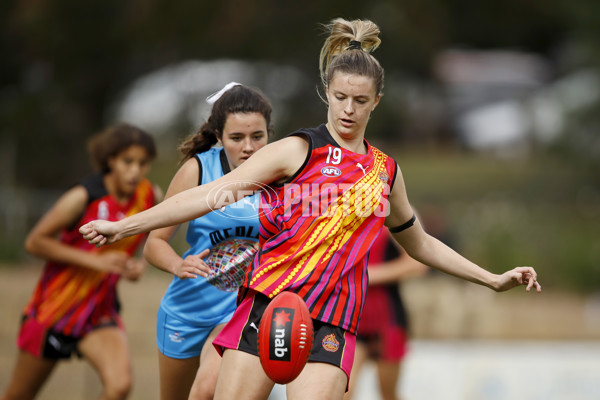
99	232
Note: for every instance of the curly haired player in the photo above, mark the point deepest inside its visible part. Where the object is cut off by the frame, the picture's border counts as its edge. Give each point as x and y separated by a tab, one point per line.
74	308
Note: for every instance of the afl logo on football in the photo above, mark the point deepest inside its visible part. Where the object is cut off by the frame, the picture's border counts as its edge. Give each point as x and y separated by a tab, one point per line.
331	171
330	343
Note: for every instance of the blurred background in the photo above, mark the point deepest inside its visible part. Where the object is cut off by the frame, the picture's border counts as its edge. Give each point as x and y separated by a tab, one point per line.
492	110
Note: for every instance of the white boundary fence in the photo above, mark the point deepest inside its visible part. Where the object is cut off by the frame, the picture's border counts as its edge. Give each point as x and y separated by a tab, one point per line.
495	370
491	370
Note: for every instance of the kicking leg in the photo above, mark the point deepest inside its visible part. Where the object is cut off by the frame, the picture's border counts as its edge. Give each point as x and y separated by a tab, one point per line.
241	377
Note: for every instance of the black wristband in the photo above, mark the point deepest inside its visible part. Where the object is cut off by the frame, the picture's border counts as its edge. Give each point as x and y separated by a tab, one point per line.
404	226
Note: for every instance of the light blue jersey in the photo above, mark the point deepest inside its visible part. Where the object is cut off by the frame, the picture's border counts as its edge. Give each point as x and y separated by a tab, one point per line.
195	301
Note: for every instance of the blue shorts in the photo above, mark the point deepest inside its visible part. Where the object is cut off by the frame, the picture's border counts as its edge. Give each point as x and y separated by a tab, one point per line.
180	339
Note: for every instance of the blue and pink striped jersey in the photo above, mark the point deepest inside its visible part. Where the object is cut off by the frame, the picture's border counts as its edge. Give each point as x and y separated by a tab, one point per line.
316	230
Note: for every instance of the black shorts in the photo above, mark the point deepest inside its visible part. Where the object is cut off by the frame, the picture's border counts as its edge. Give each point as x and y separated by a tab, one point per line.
43	342
331	345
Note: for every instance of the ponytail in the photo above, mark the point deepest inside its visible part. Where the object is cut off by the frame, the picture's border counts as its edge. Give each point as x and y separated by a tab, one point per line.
198	142
347	49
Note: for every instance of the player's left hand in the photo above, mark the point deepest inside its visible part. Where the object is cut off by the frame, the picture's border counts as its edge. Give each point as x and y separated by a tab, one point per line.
519	276
193	266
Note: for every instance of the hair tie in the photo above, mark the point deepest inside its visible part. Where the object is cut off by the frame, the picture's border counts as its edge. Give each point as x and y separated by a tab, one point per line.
216	96
355	45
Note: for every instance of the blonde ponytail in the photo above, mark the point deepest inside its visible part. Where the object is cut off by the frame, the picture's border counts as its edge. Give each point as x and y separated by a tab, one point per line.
341	52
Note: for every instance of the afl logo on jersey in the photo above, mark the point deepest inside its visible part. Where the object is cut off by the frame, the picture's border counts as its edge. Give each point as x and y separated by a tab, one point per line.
331	171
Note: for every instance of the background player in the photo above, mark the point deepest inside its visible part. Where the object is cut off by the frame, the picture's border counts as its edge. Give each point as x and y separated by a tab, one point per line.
193	312
382	335
74	308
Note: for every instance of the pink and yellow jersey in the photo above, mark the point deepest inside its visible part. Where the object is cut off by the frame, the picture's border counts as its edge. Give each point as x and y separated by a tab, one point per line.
71	299
316	230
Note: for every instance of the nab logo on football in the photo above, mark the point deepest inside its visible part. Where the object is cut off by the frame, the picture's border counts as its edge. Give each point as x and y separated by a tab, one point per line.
285	337
281	334
331	171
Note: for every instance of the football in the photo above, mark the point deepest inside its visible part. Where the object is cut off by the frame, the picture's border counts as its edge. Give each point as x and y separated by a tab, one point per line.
285	337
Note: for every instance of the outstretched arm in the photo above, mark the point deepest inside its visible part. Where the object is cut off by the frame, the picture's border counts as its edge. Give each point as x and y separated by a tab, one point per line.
158	250
430	251
271	163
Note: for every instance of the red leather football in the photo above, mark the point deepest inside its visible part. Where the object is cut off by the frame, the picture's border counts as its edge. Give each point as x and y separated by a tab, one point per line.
285	337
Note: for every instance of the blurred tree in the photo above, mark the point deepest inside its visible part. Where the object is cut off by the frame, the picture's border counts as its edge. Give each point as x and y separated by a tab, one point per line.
64	61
